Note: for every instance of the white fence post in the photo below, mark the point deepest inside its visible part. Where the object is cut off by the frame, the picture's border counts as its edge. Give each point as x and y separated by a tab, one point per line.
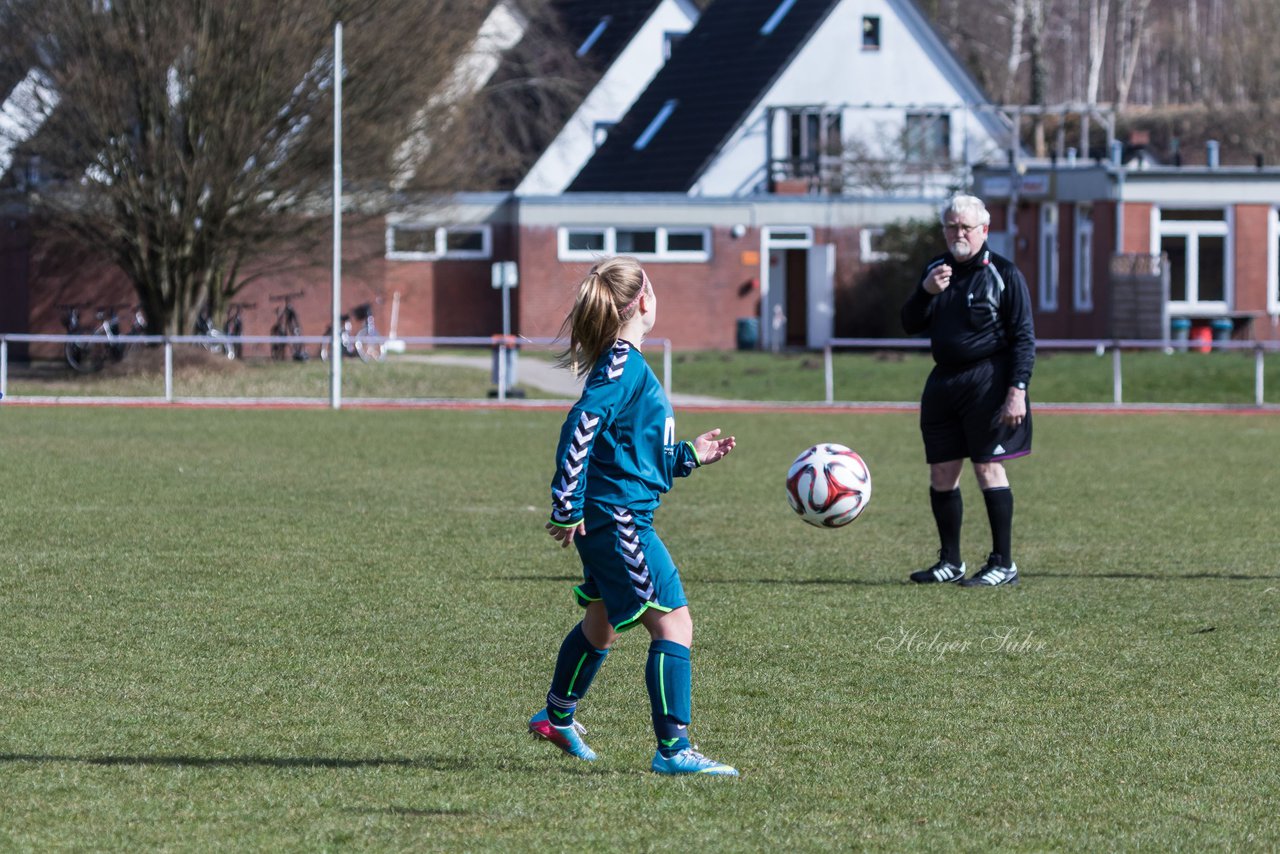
1258	396
4	365
502	368
1117	381
168	370
828	371
666	366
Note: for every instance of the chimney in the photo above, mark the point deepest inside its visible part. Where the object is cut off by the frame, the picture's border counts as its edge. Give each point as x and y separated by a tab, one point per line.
1211	153
1117	152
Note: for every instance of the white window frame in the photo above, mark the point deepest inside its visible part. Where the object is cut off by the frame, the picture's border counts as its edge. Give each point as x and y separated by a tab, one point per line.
442	250
662	235
1082	292
787	237
1192	231
1048	252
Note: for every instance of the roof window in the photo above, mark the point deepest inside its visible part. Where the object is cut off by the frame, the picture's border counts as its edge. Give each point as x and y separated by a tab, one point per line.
656	125
590	40
776	18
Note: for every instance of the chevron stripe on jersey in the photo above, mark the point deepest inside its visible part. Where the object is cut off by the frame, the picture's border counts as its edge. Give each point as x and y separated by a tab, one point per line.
633	555
571	470
617	359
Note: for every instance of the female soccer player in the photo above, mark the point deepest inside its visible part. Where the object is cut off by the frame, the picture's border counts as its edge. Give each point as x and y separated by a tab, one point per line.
617	455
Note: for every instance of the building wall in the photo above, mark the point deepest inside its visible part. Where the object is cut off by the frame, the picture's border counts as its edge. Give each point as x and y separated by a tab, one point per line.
698	303
1252	233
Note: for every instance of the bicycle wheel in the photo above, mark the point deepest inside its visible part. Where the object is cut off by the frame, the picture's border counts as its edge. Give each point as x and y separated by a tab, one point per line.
295	331
97	351
80	357
369	348
279	350
234	329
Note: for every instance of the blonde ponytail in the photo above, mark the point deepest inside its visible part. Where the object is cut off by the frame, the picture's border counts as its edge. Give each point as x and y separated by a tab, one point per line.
607	298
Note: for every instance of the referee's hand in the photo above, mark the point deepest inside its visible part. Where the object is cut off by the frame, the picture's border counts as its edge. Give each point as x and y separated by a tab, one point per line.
1014	410
938	280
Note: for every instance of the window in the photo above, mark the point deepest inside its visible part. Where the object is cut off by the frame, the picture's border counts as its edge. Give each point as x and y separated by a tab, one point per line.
776	18
670	39
788	238
927	138
1083	291
408	241
1049	257
642	241
813	134
600	132
594	36
1197	243
656	125
870	32
588	243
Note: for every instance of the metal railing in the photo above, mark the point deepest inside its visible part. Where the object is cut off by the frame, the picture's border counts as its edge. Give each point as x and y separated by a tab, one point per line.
1115	346
502	364
498	343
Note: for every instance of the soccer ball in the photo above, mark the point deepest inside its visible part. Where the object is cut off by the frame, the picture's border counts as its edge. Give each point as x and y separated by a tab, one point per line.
829	485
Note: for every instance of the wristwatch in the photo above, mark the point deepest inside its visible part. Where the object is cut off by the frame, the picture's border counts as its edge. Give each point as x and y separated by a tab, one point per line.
1020	386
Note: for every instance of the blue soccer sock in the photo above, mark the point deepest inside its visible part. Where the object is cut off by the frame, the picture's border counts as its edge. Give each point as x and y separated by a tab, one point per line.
669	676
576	666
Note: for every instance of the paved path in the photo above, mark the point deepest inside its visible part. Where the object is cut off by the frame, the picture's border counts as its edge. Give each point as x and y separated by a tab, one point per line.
542	375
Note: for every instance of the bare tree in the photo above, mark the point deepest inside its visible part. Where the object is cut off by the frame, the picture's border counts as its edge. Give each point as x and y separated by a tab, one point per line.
1098	12
188	137
1133	31
1037	23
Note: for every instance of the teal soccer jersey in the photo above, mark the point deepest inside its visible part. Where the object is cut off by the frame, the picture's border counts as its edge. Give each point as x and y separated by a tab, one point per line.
618	447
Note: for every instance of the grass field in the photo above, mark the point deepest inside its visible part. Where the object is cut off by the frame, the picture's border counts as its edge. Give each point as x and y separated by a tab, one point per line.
308	630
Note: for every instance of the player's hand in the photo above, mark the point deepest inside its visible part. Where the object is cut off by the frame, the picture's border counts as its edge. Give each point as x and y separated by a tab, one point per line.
564	536
938	280
710	449
1014	410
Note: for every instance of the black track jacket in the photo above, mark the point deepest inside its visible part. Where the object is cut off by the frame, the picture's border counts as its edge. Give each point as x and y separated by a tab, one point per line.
984	312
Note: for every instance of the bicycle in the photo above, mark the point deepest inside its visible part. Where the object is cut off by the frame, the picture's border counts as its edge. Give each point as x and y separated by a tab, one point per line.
287	326
214	339
86	357
365	343
234	327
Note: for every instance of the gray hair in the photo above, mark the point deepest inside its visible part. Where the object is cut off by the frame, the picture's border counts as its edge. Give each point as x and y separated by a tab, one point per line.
961	204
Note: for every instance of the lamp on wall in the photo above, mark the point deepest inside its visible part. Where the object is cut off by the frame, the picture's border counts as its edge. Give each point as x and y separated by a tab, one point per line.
738	230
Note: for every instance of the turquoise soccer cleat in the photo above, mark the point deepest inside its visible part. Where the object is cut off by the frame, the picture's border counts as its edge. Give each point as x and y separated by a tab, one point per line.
690	761
567	738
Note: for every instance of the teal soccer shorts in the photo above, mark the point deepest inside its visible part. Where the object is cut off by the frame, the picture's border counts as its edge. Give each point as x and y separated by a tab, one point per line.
626	565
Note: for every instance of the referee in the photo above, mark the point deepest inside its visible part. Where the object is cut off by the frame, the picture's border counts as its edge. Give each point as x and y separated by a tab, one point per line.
976	309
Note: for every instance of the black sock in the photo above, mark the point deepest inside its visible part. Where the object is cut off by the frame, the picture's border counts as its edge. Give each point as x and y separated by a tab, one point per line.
1000	513
948	513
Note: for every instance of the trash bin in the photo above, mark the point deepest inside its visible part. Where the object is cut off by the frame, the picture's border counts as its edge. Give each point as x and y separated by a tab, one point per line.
1202	335
1222	328
1179	330
748	333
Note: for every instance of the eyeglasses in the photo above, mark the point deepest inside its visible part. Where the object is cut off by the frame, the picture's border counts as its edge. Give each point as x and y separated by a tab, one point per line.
961	228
